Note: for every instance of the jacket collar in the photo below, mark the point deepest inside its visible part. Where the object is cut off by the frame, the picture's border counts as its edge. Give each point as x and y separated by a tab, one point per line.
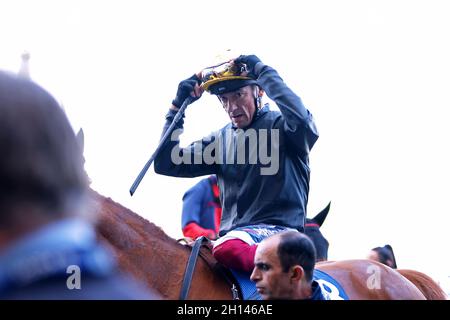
48	252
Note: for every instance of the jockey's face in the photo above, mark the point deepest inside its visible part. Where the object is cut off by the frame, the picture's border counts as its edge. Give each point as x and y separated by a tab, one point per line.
271	281
240	105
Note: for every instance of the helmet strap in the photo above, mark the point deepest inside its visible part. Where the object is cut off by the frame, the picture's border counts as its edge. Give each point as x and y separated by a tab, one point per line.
258	98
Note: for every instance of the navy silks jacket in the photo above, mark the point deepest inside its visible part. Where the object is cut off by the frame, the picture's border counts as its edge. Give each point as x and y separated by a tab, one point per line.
261	191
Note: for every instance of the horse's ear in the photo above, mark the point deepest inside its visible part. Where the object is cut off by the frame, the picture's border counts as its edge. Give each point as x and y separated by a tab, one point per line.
320	217
80	140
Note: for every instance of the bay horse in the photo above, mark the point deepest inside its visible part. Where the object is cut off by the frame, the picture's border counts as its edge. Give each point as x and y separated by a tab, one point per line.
159	261
429	288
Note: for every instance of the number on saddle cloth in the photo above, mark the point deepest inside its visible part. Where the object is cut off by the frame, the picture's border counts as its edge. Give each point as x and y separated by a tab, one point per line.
331	289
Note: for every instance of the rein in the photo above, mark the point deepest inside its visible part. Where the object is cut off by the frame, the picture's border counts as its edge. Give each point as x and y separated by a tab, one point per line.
190	267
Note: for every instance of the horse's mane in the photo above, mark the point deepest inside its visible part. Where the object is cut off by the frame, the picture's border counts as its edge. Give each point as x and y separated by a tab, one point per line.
110	209
430	289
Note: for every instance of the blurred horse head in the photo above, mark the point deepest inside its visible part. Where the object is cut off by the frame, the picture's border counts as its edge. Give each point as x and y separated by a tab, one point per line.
312	229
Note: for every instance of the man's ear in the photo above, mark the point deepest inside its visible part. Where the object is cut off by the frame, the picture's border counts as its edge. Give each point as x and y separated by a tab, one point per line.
389	263
258	92
297	273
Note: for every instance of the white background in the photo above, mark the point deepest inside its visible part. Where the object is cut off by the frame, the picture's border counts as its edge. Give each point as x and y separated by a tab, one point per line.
375	75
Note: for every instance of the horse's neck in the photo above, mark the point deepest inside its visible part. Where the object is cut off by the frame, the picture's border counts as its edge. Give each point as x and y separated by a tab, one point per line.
128	221
141	247
146	252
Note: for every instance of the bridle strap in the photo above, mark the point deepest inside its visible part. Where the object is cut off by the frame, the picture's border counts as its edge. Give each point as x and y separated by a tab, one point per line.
312	225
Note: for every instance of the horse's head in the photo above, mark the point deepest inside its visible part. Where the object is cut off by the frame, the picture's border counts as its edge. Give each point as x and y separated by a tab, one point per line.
312	229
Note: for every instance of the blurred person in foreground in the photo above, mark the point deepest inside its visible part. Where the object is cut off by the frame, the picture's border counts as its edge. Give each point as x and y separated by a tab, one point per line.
48	246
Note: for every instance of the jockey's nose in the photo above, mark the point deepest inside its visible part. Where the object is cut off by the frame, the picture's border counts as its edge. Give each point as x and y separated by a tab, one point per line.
230	106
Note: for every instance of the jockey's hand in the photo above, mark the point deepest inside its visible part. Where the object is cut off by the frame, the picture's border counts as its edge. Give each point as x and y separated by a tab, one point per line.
251	61
189	87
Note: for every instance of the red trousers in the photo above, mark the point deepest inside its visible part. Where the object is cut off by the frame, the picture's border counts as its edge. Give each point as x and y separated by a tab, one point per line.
236	254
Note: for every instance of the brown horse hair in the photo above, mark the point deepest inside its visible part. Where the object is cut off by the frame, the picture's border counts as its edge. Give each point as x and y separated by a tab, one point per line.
151	228
147	253
41	164
429	288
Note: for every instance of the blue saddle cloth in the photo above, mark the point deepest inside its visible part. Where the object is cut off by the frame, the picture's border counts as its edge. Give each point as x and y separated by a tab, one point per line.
246	287
331	289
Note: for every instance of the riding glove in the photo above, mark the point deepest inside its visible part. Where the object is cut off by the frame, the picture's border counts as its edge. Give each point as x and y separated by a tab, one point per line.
254	64
184	90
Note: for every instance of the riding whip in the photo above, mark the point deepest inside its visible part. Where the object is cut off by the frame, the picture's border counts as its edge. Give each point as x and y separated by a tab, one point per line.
169	130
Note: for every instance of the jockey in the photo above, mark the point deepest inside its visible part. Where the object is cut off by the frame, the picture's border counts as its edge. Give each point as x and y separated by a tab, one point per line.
202	210
281	272
262	191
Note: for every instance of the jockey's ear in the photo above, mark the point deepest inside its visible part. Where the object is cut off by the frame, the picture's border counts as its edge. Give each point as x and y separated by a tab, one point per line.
296	273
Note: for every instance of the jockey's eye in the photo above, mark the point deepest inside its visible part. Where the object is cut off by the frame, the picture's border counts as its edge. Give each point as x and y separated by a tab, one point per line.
223	99
240	94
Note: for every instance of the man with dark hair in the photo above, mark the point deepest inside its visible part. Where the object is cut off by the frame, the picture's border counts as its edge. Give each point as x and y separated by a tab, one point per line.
384	255
284	266
48	247
261	158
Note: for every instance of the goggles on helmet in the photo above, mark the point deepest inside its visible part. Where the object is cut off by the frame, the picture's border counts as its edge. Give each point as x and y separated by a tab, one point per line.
224	72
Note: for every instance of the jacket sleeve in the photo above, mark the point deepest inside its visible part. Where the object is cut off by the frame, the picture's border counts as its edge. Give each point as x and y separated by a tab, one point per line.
193	201
298	123
193	230
184	162
193	206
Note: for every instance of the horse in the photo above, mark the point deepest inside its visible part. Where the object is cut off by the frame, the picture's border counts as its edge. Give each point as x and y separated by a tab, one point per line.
312	230
146	252
427	286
